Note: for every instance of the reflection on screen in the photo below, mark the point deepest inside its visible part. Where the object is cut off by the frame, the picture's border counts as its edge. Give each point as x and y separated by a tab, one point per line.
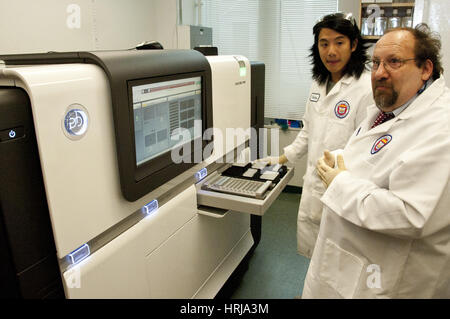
159	110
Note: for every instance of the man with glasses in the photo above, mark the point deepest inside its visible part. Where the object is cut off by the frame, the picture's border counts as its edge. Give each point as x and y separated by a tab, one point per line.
385	230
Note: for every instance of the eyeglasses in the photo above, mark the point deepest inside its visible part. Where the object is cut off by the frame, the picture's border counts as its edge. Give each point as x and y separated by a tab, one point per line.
390	64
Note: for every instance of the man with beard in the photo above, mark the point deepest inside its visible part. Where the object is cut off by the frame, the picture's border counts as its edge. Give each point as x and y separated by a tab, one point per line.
385	230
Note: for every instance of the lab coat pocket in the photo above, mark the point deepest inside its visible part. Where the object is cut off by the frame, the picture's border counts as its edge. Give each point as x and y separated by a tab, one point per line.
340	269
337	133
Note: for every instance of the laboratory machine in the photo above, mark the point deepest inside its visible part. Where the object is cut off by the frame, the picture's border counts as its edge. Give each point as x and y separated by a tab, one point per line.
130	174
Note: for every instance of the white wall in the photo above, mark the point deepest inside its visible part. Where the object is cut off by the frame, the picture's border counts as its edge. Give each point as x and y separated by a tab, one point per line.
41	26
350	6
28	26
188	12
165	22
121	24
436	13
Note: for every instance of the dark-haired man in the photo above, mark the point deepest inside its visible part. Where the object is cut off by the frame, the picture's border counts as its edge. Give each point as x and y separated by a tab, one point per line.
335	107
385	230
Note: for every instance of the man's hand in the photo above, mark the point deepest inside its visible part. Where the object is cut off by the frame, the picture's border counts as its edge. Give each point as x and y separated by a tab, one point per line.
328	158
326	172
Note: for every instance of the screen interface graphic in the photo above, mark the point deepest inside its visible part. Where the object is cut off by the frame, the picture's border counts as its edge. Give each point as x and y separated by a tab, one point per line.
164	116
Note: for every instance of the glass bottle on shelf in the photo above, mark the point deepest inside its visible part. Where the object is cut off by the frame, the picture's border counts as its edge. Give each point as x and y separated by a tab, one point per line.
394	21
380	24
366	30
367	24
407	20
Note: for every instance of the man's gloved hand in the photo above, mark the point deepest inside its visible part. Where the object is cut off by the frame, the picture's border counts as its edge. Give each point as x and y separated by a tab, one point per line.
326	172
328	158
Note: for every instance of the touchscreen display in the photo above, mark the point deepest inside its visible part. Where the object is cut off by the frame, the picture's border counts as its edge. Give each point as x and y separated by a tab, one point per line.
164	116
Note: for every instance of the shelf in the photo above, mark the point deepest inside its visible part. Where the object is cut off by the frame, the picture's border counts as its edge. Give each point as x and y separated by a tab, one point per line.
402	8
371	37
388	4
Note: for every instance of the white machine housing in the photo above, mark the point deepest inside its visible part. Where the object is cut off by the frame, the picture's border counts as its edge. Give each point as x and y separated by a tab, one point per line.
180	250
173	253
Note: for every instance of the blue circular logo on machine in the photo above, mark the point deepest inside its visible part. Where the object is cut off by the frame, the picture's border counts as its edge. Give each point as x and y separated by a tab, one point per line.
76	122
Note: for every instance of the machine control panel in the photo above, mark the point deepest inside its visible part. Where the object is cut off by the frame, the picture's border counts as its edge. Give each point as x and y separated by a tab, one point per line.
11	133
250	180
249	188
238	186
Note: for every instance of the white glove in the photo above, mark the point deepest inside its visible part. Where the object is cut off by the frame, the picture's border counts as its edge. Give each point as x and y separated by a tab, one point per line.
328	173
273	160
328	158
270	160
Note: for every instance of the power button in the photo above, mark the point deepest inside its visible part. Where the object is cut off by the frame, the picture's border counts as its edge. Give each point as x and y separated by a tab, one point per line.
11	133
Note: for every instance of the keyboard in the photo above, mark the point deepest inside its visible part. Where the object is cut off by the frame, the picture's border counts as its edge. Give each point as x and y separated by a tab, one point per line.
238	186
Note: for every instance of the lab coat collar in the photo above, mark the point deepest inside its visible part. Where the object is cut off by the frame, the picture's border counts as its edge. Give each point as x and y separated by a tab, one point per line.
344	81
347	79
432	93
426	98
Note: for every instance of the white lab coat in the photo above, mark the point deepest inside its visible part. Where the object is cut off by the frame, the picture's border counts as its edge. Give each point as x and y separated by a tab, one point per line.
385	230
329	121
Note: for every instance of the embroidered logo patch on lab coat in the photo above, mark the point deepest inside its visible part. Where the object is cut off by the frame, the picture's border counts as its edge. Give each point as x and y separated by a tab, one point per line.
342	109
314	97
380	143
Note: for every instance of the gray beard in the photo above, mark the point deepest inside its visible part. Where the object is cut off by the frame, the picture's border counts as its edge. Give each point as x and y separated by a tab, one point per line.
385	100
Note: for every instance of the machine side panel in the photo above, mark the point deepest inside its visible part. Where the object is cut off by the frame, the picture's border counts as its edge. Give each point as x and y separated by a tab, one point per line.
29	263
231	103
192	255
258	76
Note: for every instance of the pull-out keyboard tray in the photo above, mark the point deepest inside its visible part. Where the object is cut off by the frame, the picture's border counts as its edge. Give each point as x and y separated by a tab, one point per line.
240	193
